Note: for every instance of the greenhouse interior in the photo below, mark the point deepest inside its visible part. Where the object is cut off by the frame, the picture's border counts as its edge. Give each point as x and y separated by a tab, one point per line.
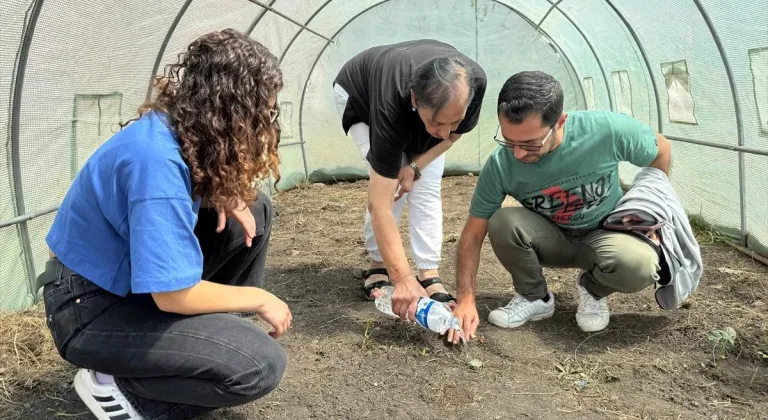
72	73
696	71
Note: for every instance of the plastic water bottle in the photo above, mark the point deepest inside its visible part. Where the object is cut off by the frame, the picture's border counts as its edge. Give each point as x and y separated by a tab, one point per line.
430	313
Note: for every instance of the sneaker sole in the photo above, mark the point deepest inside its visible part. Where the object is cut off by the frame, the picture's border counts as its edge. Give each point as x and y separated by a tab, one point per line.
531	319
82	390
591	330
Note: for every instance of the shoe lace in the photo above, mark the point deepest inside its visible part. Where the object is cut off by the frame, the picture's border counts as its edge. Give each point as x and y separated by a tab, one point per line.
590	304
517	303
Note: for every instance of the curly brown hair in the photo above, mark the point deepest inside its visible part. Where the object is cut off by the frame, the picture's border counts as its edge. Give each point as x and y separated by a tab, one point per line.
216	97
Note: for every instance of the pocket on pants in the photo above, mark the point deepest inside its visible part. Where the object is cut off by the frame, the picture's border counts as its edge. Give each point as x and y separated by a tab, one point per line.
60	315
89	300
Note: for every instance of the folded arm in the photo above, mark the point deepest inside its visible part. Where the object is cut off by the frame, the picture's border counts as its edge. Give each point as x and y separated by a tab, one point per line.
664	157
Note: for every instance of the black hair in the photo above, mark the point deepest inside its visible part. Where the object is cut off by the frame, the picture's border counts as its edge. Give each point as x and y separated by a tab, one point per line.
436	82
531	92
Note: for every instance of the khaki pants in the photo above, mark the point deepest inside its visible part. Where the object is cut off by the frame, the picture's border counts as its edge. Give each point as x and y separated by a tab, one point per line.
525	241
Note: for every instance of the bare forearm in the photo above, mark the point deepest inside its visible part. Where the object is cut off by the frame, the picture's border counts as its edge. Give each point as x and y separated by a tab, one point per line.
468	258
427	157
209	297
390	243
663	159
467	264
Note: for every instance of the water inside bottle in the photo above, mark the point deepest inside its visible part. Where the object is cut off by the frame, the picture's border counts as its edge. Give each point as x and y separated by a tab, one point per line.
463	341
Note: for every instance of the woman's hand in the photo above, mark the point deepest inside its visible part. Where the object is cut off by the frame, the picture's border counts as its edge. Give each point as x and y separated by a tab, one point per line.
276	313
243	216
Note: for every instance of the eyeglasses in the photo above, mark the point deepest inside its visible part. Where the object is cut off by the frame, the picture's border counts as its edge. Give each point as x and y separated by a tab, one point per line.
527	147
273	114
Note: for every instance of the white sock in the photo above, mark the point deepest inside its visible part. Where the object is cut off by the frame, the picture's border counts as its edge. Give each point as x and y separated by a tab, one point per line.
105	379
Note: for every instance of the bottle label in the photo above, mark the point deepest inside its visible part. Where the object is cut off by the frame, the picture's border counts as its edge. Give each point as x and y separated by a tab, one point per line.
422	310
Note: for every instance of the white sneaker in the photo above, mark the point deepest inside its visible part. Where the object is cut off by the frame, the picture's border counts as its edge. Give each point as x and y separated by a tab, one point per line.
593	314
106	402
519	311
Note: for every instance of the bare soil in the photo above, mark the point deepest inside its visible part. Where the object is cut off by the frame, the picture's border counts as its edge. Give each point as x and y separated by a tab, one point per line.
346	361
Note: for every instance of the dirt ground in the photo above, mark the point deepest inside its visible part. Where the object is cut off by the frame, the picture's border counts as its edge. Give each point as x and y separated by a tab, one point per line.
346	361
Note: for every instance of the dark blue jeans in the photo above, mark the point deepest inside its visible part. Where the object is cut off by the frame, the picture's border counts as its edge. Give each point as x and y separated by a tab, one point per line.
172	366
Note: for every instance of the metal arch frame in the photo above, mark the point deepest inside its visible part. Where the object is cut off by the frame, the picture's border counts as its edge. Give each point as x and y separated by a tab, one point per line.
164	45
183	10
309	75
258	18
539	29
739	120
296	35
286	17
591	48
320	54
645	58
18	87
552	6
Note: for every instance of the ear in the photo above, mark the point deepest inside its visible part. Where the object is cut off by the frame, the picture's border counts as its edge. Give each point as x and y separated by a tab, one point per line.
561	120
413	100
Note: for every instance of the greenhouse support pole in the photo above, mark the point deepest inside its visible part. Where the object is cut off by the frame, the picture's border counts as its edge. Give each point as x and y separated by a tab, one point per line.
306	24
282	56
163	46
645	58
289	19
552	7
594	53
739	121
18	87
312	69
552	41
258	18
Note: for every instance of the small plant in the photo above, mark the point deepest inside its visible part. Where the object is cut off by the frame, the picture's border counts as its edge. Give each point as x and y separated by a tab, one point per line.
568	369
722	340
367	340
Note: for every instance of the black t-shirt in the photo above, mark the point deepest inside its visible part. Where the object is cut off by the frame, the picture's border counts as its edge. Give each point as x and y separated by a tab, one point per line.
377	83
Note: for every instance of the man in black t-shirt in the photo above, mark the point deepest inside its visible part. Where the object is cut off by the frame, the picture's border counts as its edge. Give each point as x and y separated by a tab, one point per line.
404	105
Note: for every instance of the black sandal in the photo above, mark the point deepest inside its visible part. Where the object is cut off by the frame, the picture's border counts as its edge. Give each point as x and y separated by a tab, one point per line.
438	296
377	285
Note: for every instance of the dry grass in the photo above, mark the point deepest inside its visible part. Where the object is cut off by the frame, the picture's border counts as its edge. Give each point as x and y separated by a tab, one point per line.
28	357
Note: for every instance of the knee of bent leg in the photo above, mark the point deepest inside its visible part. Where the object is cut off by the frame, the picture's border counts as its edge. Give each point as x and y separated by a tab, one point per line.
504	225
262	211
265	373
638	269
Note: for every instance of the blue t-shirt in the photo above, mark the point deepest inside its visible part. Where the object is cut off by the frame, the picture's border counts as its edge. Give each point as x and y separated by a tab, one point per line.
127	222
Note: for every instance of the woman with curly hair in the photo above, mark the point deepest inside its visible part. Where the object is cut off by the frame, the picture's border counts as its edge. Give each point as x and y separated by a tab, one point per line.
161	241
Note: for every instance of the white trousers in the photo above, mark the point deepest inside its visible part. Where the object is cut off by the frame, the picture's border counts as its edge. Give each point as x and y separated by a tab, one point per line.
425	207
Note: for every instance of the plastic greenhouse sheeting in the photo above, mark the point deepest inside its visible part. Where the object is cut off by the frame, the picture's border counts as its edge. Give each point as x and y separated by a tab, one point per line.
696	71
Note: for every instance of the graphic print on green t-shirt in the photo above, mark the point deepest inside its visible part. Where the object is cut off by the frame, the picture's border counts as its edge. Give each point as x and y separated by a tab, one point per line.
576	185
578	200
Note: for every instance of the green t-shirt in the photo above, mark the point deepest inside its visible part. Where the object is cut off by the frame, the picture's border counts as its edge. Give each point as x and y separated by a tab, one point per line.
577	185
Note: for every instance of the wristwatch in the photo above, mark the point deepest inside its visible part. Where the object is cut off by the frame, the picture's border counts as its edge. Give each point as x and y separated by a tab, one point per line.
416	171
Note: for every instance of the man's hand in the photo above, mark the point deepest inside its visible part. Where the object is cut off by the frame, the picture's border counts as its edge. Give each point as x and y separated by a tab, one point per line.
243	216
405	181
466	311
467	263
405	297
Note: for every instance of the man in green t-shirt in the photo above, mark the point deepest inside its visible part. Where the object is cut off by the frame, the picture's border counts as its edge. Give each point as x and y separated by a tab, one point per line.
563	169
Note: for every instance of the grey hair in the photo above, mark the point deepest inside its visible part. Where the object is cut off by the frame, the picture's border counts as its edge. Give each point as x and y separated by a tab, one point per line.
531	92
437	81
